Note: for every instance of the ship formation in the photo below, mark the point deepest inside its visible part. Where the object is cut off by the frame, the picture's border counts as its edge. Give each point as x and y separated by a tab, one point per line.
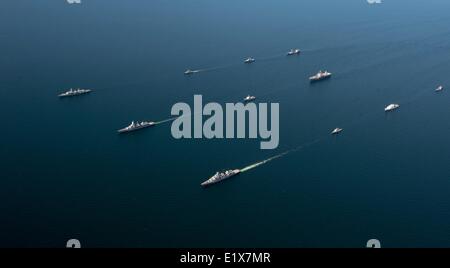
223	175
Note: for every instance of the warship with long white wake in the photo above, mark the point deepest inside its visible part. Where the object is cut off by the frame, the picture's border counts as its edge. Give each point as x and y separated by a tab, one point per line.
190	72
220	176
74	92
136	126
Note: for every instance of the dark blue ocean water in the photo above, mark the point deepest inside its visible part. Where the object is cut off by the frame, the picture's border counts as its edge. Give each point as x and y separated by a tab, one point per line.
65	173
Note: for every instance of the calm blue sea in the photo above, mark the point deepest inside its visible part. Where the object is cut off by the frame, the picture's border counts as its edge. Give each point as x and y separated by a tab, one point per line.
65	173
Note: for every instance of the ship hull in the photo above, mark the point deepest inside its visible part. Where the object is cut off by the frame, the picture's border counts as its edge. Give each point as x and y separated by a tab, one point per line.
390	110
312	80
121	131
73	95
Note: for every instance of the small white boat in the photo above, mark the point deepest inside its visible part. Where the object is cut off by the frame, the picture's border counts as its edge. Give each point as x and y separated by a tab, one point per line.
293	51
336	131
249	98
249	60
189	72
391	107
439	88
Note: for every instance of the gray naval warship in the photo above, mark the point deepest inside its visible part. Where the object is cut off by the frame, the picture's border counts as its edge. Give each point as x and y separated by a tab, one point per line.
220	176
136	126
74	92
320	76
